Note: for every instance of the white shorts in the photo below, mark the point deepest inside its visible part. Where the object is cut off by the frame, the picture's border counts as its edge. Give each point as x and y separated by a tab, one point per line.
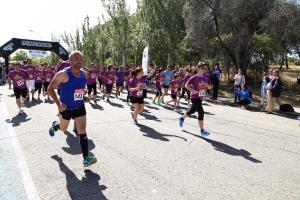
30	84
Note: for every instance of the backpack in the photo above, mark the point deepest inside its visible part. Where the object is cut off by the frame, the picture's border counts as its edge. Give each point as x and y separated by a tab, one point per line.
286	108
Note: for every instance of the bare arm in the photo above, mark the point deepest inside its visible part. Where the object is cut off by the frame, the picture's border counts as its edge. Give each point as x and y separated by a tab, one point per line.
60	77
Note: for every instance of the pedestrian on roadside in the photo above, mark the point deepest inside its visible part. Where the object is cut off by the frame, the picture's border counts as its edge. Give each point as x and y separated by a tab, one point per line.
265	80
245	97
239	82
274	92
216	76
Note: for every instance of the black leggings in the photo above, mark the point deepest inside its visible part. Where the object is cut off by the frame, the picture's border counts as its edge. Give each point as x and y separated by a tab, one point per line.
45	87
38	87
184	90
92	87
158	92
196	107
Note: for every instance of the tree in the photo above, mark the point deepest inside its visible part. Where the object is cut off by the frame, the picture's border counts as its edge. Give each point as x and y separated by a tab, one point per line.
20	55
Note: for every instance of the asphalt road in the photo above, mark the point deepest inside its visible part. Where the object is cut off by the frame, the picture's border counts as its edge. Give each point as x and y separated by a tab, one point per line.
249	155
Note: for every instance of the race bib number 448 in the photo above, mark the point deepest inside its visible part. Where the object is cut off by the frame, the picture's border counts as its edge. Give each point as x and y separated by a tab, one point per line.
78	94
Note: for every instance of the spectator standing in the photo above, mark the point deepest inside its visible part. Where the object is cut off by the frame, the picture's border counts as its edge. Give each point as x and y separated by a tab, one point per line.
265	80
239	82
216	76
274	92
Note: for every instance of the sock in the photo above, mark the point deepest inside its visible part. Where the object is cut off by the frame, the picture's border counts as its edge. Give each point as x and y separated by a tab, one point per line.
84	145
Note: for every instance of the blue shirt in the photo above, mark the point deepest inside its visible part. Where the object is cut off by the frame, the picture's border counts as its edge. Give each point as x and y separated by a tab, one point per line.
167	75
72	92
244	94
216	73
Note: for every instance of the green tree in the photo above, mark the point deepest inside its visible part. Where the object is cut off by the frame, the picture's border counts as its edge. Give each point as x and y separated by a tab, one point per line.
20	55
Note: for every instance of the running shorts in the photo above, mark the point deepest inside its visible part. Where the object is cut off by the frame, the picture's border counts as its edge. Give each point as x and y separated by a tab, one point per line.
73	114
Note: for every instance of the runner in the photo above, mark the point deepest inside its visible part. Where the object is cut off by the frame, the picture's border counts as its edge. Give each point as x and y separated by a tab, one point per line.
197	85
19	78
120	78
92	82
100	75
158	86
174	87
39	74
136	87
48	76
167	76
128	77
109	76
183	89
30	83
72	82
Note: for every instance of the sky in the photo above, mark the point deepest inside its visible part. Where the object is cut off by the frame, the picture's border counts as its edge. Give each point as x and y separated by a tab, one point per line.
43	17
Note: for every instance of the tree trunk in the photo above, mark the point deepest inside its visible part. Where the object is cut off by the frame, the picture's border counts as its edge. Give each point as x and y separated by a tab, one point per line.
286	59
123	58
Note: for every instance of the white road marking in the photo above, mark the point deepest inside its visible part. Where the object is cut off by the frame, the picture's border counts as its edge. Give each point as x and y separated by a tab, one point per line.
26	177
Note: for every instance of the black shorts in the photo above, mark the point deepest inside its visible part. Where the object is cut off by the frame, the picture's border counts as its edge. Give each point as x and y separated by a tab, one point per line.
100	82
174	96
165	86
120	84
45	86
18	92
92	87
72	114
38	87
138	100
109	88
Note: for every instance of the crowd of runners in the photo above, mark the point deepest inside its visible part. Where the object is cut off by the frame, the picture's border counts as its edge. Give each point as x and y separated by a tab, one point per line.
70	84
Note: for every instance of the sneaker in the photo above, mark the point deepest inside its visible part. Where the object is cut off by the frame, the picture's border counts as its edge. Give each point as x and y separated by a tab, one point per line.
158	103
89	160
53	128
153	102
20	112
135	122
204	133
175	110
181	121
108	100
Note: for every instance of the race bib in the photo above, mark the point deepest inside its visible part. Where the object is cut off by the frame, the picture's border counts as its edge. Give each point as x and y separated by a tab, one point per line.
78	94
48	79
38	78
93	76
31	76
175	90
20	83
140	93
109	82
202	93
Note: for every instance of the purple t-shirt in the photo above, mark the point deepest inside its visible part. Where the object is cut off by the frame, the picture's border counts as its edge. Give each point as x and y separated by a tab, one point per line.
62	66
110	77
158	80
120	76
30	70
175	84
92	77
19	78
135	82
48	75
196	83
39	74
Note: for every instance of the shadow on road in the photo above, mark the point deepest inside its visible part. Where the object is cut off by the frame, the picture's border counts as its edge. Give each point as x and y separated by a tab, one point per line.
73	143
152	133
224	148
116	105
96	106
86	188
150	117
18	119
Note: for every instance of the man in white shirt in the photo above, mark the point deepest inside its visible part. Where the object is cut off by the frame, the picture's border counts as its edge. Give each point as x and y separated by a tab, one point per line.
239	82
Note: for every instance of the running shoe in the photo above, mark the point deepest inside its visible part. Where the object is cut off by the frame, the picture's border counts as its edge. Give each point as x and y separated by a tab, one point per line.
181	121
204	133
89	160
53	128
153	102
